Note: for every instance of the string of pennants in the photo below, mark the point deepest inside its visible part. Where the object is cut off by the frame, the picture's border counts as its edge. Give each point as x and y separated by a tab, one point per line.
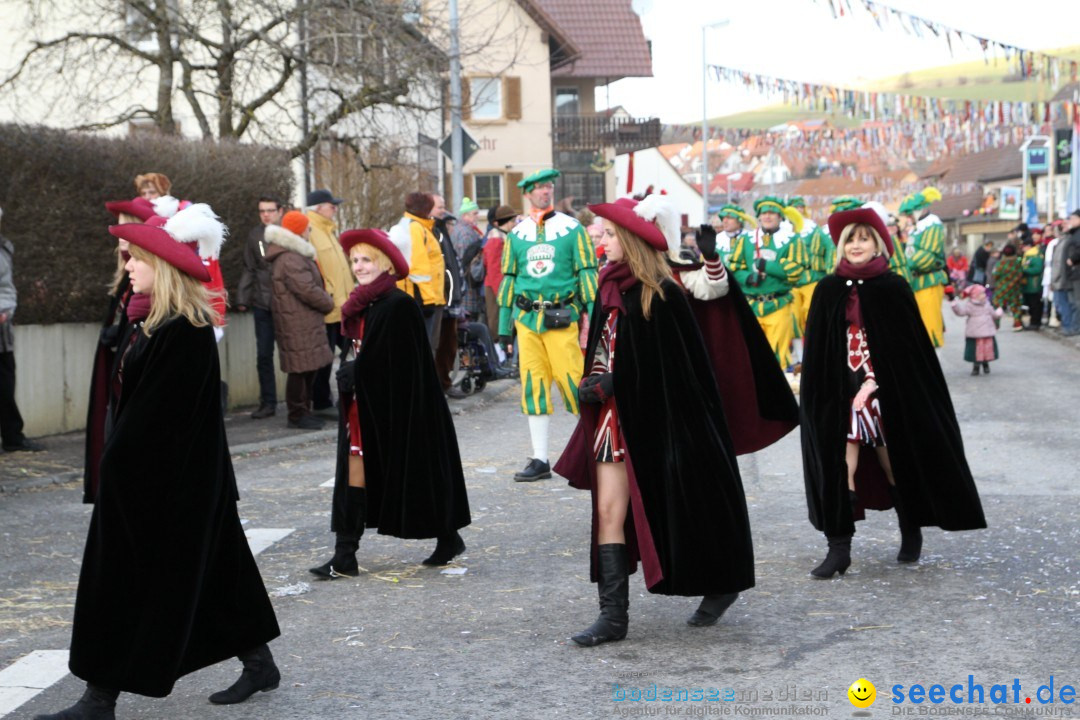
894	106
1028	63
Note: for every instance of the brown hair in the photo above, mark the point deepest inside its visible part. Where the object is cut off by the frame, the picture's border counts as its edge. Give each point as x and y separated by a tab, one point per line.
648	265
160	182
419	204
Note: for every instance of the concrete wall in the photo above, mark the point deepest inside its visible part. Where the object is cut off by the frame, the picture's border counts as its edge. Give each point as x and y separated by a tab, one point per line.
54	363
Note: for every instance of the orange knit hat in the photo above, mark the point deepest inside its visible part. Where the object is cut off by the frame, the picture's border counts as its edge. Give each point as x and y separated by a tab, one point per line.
295	222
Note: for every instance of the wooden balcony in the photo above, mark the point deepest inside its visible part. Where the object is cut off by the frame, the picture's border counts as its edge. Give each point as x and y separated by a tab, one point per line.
593	132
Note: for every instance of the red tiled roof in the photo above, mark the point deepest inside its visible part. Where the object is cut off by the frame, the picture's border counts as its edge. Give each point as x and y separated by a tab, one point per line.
1002	163
608	34
563	50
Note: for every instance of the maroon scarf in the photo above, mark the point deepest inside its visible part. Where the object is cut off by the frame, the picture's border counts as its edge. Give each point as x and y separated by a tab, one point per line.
615	279
359	299
138	307
877	266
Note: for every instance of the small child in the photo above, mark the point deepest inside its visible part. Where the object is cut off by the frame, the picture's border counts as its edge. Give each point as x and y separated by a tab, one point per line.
980	327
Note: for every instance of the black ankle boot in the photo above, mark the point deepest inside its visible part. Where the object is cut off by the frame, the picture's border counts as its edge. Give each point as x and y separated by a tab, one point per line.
986	368
96	704
975	369
260	675
838	560
711	608
446	549
614	590
344	564
910	532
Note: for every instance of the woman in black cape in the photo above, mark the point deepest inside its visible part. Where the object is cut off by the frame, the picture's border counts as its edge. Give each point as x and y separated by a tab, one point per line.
878	426
398	464
168	583
652	443
114	333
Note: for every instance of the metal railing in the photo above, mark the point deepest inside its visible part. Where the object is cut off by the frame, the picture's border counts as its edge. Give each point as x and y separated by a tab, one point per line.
592	132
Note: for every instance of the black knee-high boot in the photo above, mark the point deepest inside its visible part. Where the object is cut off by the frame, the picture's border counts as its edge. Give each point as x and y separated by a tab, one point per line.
614	590
96	704
344	564
910	532
260	674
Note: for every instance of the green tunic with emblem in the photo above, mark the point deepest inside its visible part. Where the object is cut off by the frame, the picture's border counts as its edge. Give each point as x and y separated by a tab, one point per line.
926	254
782	270
553	262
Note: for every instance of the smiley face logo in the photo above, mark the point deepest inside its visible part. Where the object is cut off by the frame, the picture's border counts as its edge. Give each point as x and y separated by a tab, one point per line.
862	693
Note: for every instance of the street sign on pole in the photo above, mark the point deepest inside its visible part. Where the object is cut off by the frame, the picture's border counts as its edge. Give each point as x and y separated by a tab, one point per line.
468	147
1038	159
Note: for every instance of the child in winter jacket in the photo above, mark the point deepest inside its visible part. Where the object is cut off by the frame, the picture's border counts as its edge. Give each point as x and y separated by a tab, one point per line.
980	327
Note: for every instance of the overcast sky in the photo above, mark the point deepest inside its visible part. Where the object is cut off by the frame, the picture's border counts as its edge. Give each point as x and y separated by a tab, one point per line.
800	40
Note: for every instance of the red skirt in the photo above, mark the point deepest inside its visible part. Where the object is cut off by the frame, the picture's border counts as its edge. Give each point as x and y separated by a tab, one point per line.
608	443
352	426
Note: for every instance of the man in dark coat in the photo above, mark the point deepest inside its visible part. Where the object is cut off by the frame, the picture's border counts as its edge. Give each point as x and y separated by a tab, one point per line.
255	293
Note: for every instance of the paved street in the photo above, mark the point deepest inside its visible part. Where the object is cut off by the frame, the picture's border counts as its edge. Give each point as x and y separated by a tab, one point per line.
404	640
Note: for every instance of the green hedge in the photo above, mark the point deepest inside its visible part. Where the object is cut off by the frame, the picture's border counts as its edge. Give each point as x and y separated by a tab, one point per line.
53	188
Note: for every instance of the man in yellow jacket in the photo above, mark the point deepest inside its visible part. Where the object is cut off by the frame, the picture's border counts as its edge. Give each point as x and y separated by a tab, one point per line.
427	269
337	278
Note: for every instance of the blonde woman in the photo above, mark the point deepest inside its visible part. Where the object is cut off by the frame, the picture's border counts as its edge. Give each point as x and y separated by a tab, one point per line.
878	427
652	444
398	465
168	583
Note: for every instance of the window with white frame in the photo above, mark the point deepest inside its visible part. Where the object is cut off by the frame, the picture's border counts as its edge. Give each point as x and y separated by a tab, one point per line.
488	188
487	101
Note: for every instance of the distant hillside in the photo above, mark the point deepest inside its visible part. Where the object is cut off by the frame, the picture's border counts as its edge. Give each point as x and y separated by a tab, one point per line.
993	80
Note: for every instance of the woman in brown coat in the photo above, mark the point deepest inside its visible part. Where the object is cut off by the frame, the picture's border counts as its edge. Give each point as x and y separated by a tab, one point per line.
298	304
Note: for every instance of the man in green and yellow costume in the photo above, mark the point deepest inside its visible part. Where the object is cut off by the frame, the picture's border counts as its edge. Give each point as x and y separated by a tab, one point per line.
549	281
820	255
733	219
767	262
926	260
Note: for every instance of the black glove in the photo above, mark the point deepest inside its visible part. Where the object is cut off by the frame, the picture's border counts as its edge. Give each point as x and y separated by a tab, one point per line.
759	265
705	236
596	388
346	377
110	336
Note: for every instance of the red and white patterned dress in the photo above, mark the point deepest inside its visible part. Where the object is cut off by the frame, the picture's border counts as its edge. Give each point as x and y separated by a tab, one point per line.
352	414
607	443
865	427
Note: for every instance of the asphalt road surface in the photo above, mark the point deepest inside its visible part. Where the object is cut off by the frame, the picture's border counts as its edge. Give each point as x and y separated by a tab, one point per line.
491	637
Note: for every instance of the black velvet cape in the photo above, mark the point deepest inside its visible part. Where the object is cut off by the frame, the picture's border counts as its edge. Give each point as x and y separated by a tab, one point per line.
168	583
920	427
687	520
412	466
101	380
758	402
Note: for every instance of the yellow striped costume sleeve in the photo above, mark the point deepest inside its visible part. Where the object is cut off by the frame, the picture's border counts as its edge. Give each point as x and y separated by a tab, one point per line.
929	253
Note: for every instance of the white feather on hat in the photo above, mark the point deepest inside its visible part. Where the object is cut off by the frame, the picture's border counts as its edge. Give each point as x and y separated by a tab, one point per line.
880	209
401	235
657	209
165	206
198	224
